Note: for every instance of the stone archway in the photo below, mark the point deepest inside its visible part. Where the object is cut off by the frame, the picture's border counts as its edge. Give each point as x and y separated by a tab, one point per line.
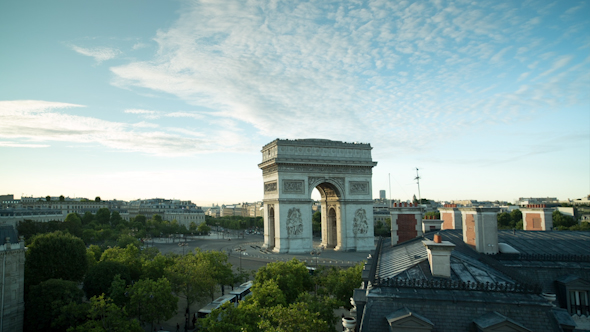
341	172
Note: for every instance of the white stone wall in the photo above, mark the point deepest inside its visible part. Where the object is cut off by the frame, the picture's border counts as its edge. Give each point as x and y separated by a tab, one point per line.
486	228
292	169
12	270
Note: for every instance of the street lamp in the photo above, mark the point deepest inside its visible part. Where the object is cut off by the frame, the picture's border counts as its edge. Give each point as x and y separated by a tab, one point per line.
241	251
182	244
316	253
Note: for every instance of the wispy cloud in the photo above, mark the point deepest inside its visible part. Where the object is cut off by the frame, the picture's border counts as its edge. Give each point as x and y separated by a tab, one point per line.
34	124
22	145
399	72
144	113
99	54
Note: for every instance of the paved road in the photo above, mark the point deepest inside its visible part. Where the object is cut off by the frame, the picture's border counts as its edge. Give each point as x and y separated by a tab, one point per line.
253	257
252	254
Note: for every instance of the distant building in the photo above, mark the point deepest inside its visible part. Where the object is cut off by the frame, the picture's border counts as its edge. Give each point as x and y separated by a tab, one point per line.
382	194
184	212
12	269
548	201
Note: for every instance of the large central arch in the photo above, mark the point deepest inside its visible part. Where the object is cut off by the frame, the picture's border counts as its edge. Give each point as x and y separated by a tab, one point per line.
341	172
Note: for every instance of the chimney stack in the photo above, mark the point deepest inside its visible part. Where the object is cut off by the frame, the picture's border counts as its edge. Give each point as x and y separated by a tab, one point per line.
537	217
451	217
406	222
439	256
480	229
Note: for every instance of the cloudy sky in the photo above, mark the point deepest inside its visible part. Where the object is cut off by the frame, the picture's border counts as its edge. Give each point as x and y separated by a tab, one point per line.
174	99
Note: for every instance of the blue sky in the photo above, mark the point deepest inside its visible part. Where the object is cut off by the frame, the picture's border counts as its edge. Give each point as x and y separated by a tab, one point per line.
142	99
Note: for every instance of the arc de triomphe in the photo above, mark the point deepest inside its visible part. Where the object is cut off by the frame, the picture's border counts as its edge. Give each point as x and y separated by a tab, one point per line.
341	172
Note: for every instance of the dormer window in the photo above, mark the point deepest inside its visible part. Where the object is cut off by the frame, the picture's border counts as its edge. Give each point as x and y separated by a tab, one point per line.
573	295
578	303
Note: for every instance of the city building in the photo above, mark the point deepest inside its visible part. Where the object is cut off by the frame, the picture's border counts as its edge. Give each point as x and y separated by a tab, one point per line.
184	212
548	201
12	255
477	278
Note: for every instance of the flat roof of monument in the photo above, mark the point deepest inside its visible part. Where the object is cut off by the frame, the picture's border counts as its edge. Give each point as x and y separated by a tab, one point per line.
315	141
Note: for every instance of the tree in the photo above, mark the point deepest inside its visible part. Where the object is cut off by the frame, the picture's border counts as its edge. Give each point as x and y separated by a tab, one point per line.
124	240
340	283
97	199
190	276
116	219
316	222
295	317
562	221
203	228
141	219
44	303
217	265
505	221
104	315
292	278
155	267
516	216
99	278
87	218
103	216
73	224
152	301
62	198
129	256
55	255
267	294
434	214
48	198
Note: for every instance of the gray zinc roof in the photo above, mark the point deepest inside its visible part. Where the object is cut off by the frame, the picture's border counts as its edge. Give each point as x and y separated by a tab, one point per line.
8	231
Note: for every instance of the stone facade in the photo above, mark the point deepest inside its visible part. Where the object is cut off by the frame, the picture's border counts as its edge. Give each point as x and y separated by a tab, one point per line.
451	217
406	222
537	217
342	173
12	271
480	229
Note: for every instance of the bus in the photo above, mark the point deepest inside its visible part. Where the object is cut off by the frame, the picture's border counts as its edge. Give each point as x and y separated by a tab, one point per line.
243	291
206	310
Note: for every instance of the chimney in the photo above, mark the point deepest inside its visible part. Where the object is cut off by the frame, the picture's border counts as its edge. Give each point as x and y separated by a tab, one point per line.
480	229
537	218
451	217
439	256
406	222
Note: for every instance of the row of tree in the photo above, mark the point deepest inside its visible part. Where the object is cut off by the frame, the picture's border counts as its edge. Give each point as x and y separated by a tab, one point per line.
107	227
126	287
235	222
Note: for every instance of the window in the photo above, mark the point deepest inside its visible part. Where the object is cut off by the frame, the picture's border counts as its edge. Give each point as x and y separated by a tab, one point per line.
578	303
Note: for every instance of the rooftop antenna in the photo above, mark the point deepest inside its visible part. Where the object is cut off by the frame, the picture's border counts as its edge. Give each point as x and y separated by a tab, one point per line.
419	195
417	178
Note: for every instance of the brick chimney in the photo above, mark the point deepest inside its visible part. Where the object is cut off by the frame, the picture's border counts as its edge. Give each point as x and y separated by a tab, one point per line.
537	217
451	217
439	256
406	222
480	229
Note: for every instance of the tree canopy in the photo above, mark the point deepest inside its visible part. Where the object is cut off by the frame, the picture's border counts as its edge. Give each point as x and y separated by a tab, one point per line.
152	301
291	277
55	255
99	278
44	303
